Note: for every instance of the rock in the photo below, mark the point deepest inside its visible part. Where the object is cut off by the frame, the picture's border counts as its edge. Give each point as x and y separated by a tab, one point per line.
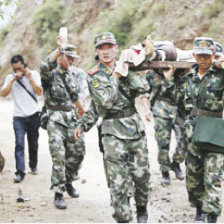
84	181
43	204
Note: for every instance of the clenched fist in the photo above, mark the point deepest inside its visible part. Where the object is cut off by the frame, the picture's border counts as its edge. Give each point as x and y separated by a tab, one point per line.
149	47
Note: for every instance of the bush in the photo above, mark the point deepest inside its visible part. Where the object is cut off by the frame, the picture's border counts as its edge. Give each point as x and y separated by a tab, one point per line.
4	32
47	21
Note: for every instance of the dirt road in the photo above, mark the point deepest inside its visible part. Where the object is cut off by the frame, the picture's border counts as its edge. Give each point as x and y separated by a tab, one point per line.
167	204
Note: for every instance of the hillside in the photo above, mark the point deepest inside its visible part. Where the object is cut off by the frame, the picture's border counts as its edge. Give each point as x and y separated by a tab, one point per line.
35	26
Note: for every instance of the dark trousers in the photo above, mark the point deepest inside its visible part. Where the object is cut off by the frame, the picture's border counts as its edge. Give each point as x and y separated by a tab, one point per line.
26	125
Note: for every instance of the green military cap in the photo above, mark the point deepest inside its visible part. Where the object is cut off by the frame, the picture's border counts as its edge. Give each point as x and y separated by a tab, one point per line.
203	45
104	38
218	49
70	50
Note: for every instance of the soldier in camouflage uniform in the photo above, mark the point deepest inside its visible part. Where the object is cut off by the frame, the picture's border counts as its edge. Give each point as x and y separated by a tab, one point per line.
165	113
63	109
203	87
218	51
123	136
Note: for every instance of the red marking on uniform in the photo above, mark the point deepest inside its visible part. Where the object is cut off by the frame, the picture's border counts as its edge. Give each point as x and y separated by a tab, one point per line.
93	71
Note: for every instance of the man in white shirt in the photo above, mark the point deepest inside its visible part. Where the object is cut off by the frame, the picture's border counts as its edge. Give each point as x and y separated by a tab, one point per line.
25	85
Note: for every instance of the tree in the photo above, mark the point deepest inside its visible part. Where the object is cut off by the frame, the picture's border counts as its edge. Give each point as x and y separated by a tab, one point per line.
7	3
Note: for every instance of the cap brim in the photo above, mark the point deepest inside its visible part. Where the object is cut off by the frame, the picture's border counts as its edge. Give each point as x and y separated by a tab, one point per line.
106	41
72	55
203	51
218	54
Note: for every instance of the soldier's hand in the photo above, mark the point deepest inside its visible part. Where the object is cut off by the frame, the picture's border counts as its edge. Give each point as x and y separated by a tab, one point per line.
149	46
77	133
117	75
80	109
220	63
169	72
59	42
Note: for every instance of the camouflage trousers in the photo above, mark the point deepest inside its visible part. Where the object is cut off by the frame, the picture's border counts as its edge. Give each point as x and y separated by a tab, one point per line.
126	160
163	129
66	153
204	179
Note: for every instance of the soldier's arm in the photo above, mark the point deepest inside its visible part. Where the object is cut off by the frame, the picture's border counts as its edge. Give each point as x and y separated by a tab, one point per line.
79	107
149	78
48	65
87	121
50	62
140	86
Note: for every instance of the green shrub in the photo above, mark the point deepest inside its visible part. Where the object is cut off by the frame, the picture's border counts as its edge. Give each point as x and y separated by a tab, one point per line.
213	9
4	32
47	21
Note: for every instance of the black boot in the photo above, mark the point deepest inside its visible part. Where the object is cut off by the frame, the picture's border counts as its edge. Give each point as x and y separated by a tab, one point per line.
177	170
200	215
165	180
59	201
142	214
71	191
212	217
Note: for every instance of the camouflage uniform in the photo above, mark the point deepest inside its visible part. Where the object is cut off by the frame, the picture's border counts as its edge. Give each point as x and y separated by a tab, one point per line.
67	154
164	113
123	138
204	170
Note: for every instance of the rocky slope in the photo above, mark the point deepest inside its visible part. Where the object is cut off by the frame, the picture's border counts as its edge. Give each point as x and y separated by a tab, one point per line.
35	26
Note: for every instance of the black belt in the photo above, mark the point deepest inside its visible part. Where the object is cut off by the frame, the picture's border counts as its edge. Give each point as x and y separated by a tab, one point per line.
199	112
60	108
121	114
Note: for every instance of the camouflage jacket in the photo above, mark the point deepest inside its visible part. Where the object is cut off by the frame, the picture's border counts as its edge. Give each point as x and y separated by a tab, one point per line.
55	93
161	95
207	92
107	98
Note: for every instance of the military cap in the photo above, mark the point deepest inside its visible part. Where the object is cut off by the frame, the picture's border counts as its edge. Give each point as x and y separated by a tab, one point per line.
70	50
218	49
203	45
104	38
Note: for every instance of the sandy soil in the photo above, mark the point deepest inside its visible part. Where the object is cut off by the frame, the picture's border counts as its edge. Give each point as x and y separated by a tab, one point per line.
167	204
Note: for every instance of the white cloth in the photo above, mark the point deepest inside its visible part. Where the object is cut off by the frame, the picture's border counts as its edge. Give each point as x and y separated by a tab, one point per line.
185	55
136	55
24	104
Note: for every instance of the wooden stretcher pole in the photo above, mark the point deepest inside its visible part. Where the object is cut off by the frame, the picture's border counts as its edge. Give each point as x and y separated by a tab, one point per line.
160	64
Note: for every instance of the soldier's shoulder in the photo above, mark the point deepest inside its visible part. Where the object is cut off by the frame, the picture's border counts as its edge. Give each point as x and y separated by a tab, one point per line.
93	70
78	71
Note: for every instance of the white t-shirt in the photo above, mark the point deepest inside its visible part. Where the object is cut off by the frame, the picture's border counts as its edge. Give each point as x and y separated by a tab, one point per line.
24	104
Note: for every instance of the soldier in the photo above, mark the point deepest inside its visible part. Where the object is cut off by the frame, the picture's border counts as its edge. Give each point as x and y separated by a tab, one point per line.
123	136
218	51
165	112
60	93
202	94
25	85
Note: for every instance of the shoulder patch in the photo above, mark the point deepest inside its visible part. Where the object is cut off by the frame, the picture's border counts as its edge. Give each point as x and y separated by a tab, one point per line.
95	83
93	70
